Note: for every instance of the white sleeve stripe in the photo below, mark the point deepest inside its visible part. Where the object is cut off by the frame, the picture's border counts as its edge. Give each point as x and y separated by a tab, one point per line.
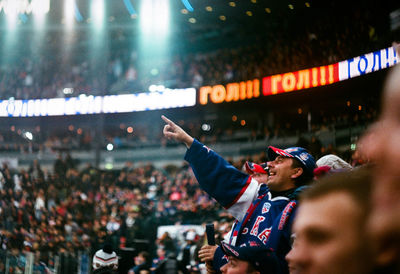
239	209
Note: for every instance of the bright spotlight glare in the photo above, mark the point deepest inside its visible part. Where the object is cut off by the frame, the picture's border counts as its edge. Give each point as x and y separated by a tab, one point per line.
206	127
162	16
155	16
69	12
11	11
10	7
28	135
40	7
152	88
110	147
97	13
39	10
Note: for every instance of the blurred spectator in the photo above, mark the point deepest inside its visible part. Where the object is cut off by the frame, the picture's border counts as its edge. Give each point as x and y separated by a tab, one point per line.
320	244
105	260
330	164
186	256
249	259
142	264
380	147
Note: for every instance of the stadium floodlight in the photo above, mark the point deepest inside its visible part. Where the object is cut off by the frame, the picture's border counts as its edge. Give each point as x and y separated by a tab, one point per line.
154	17
28	135
97	13
110	147
206	127
39	9
11	11
69	12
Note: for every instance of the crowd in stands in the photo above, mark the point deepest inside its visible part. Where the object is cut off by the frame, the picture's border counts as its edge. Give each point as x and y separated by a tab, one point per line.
82	137
70	210
67	210
72	64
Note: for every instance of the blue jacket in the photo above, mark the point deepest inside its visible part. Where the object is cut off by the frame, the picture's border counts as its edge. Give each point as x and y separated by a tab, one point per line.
261	218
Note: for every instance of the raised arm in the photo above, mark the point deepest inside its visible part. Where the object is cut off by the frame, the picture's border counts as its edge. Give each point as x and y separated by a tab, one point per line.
175	132
230	187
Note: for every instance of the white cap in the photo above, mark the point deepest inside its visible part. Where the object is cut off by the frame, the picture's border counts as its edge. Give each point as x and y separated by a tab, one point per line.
334	162
191	235
104	259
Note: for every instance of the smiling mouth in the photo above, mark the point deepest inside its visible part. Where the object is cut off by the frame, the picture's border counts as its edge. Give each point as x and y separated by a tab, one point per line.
270	173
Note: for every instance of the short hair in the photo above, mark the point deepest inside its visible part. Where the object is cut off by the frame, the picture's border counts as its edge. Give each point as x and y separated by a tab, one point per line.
250	268
145	255
305	178
357	183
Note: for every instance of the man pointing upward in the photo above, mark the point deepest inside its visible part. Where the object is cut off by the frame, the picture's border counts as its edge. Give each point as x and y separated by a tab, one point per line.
263	212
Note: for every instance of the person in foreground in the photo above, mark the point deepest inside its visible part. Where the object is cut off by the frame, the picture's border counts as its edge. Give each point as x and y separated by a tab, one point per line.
380	145
330	233
248	259
263	212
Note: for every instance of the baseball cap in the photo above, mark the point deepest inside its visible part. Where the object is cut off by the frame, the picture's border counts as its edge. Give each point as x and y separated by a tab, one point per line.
334	162
301	154
330	164
261	257
252	168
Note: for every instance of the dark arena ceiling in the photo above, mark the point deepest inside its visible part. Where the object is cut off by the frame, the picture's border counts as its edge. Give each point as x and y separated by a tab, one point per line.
208	24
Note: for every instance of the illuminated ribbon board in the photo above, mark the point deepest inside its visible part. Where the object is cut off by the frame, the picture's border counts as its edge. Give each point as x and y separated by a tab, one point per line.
170	98
25	6
299	80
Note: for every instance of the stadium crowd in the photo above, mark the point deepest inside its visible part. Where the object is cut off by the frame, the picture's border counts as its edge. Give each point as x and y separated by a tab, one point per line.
67	210
38	73
72	137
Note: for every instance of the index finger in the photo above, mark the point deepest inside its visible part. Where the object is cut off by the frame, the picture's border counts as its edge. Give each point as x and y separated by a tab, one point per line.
168	121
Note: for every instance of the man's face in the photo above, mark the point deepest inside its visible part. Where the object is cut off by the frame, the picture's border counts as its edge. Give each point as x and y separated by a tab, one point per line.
280	174
139	260
328	236
235	266
381	146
